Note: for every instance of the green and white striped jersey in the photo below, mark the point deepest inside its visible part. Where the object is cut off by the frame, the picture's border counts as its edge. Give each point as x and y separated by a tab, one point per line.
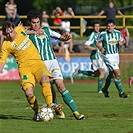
110	41
95	54
42	43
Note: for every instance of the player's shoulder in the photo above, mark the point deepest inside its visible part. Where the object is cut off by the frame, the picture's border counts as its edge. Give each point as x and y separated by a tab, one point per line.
19	28
6	44
45	27
103	32
116	31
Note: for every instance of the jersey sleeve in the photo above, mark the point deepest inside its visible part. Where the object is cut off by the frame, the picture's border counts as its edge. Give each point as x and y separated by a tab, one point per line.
54	34
4	52
90	40
99	38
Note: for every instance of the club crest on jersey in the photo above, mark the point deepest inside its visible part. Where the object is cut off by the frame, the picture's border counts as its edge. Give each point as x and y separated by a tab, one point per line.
41	36
14	44
23	33
24	77
112	41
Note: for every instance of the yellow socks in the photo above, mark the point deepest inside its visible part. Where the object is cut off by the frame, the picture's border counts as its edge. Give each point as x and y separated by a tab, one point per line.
33	103
46	90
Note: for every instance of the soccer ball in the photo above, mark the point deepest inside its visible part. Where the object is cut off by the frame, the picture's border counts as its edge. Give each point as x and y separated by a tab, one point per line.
46	114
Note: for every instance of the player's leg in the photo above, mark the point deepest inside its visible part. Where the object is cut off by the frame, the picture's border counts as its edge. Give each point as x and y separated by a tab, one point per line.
43	77
54	68
31	98
101	79
68	99
53	92
66	96
106	86
84	72
118	84
51	70
130	81
28	83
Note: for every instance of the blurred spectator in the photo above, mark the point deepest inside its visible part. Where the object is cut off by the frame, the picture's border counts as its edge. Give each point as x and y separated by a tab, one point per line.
65	25
110	12
11	12
57	12
126	35
44	19
57	45
69	12
68	44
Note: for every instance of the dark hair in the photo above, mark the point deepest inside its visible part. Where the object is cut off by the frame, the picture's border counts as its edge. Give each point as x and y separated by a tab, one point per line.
7	24
33	15
96	22
110	21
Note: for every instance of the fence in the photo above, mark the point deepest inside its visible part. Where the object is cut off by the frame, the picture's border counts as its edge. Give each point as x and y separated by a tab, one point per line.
81	26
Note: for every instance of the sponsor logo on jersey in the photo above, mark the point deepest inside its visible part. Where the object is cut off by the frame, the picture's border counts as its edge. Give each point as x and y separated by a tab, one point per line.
41	36
112	41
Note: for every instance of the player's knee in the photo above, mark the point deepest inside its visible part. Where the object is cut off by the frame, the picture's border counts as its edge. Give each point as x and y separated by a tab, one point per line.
28	89
60	85
44	79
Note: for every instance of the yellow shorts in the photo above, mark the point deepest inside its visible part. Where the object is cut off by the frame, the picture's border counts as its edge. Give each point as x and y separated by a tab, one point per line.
32	71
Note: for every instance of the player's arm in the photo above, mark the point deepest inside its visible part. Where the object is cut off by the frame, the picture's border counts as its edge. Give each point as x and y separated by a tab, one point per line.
119	12
90	48
1	66
38	32
3	56
65	37
121	41
88	43
99	42
101	13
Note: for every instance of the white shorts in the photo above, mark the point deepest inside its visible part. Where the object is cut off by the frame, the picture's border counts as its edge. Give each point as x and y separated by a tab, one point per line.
54	68
99	63
114	60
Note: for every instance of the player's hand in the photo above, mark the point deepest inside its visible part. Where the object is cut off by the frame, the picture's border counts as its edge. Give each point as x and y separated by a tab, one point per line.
40	31
66	36
102	50
20	24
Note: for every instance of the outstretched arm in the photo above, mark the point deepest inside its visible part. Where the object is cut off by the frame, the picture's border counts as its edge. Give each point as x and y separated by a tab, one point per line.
90	48
101	13
66	36
1	66
119	12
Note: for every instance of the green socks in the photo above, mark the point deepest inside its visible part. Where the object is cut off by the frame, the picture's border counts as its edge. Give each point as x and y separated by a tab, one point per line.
118	85
107	84
68	100
100	84
88	73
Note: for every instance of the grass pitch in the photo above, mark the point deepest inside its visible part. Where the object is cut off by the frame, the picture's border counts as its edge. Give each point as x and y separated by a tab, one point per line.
103	115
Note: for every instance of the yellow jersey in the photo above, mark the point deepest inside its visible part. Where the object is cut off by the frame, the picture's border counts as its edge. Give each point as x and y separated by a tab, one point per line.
21	48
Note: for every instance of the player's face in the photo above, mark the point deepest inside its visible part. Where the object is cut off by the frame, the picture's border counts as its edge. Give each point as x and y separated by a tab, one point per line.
10	34
97	28
110	27
35	24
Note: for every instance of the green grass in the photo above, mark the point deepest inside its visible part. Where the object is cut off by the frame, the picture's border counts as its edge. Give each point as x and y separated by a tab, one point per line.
103	115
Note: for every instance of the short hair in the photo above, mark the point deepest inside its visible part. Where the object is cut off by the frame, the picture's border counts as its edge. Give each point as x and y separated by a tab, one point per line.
33	14
96	22
7	24
110	21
